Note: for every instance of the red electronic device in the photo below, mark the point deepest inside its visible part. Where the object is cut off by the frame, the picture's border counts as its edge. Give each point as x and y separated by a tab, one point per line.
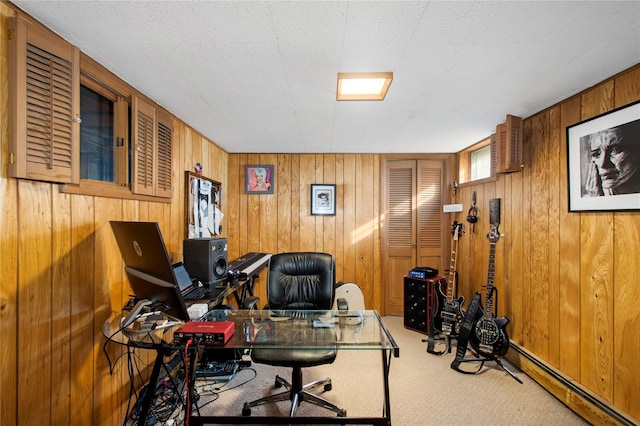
208	333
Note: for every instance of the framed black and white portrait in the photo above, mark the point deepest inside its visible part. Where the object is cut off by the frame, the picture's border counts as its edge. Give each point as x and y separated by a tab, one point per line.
603	158
323	200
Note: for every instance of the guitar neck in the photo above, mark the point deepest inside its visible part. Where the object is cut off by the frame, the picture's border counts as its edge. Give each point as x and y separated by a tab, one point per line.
451	281
488	310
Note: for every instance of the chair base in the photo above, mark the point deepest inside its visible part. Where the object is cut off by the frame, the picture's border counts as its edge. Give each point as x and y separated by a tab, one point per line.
297	394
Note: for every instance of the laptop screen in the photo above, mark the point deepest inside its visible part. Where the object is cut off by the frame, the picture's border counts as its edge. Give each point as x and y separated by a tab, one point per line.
184	280
148	266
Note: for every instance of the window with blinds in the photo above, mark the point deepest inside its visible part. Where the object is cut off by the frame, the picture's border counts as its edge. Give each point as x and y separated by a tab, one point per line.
69	125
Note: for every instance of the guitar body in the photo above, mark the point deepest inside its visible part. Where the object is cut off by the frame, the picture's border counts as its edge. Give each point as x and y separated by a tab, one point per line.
451	316
448	314
489	337
438	305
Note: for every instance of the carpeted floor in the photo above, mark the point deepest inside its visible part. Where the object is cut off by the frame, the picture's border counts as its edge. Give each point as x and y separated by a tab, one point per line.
424	389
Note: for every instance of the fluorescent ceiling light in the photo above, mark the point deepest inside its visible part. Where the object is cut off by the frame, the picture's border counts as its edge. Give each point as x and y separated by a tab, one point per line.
363	86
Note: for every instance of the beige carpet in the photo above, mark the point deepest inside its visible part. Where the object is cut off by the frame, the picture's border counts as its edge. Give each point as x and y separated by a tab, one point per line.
424	389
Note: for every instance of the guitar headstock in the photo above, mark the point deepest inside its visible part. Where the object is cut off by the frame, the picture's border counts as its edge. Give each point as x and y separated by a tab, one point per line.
494	234
456	230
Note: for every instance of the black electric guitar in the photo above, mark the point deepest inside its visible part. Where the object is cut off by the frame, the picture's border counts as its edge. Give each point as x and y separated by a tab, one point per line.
489	336
447	320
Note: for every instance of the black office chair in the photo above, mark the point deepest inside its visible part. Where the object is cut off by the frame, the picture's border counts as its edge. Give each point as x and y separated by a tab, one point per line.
299	281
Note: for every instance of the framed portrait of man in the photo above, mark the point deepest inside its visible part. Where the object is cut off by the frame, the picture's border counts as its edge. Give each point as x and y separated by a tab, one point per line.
323	200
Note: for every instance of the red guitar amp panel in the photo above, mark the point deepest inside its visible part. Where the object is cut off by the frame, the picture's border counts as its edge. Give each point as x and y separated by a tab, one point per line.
420	301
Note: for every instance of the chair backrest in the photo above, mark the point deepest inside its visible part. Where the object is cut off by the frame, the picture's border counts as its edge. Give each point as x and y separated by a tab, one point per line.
301	280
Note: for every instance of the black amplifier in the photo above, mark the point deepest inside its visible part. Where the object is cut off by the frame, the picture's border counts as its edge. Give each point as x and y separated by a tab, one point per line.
423	272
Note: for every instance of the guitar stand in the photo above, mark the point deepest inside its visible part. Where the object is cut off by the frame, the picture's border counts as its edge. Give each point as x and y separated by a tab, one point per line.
431	344
498	361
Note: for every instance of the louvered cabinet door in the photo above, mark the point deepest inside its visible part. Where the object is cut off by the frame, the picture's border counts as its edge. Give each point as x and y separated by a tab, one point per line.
412	231
44	120
429	214
400	230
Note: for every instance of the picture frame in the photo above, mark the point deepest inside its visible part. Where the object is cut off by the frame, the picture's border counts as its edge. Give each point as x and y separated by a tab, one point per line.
258	179
603	161
203	199
323	199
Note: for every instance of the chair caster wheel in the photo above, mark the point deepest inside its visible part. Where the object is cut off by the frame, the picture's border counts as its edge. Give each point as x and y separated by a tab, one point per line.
328	387
246	411
342	413
278	383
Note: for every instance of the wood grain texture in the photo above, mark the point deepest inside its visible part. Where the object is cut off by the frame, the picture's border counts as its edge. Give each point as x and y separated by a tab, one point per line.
61	309
9	232
569	261
61	272
539	237
596	275
34	344
82	309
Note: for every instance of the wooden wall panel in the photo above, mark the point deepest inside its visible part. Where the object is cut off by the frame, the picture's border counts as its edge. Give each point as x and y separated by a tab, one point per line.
569	237
569	276
34	300
340	212
61	309
553	240
61	272
82	273
626	320
539	237
515	258
9	232
284	190
286	224
349	218
596	275
107	298
527	211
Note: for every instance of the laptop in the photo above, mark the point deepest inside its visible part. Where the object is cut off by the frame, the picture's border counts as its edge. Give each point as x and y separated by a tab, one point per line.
148	266
190	288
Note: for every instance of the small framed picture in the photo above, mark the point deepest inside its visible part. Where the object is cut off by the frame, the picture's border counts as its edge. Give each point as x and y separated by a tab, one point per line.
258	179
603	155
323	200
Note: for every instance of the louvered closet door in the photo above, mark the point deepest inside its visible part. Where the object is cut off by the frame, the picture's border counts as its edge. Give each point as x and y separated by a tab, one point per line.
412	224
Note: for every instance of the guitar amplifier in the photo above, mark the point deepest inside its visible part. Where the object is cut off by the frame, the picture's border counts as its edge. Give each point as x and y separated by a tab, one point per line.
423	272
420	300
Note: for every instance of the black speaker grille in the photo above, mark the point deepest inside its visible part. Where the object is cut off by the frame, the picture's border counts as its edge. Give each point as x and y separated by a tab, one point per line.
206	259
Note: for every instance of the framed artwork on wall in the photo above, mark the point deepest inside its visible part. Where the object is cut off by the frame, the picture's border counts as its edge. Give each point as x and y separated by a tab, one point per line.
203	199
603	159
258	179
323	200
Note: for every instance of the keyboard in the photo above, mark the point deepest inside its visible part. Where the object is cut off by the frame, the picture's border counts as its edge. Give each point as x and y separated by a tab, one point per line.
220	371
249	262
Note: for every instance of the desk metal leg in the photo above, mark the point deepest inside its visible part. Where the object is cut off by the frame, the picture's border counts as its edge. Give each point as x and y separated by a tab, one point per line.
150	391
386	363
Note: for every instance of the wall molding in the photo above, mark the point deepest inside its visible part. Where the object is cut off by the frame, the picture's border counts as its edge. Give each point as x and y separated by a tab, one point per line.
583	402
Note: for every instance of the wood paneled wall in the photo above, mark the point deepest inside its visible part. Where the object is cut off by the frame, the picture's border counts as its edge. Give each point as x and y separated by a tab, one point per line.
569	282
281	222
62	276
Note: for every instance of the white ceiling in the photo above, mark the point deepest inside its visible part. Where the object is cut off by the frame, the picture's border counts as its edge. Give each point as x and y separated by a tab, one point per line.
260	76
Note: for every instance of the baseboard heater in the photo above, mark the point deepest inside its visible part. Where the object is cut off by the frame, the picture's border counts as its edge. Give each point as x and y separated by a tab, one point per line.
599	409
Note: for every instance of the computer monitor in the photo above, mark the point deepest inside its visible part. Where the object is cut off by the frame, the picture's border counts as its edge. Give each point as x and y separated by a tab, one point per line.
148	266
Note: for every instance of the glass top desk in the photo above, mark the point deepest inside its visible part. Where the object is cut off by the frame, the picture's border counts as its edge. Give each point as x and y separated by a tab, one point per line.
282	330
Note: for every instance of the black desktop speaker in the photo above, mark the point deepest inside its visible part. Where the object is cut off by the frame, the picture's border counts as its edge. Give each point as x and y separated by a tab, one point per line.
206	260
